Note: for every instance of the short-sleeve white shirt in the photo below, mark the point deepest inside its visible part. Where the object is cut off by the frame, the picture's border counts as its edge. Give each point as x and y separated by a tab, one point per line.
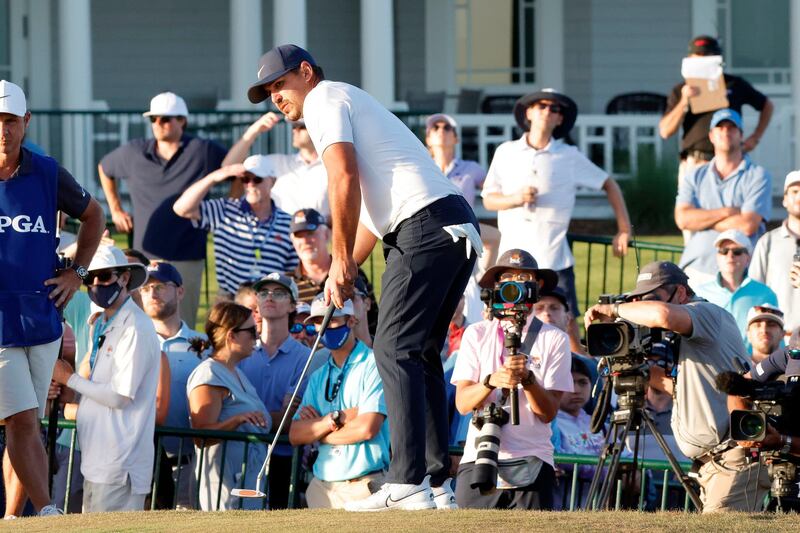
397	174
118	443
482	353
557	170
300	185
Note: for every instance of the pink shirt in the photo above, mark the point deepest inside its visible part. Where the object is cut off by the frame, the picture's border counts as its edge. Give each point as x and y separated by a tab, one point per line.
482	353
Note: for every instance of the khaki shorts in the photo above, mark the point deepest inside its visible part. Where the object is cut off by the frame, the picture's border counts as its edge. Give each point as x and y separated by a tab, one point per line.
334	494
731	484
25	375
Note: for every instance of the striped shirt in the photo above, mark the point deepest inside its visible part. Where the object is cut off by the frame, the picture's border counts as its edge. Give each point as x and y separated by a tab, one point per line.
244	248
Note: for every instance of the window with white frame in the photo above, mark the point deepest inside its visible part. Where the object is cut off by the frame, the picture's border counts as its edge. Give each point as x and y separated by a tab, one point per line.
495	42
5	40
755	39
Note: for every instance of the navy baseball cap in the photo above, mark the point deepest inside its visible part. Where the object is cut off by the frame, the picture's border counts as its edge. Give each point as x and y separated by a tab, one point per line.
306	220
275	64
164	272
726	114
705	45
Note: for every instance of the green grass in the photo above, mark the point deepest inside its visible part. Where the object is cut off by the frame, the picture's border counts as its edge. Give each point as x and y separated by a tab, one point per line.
327	521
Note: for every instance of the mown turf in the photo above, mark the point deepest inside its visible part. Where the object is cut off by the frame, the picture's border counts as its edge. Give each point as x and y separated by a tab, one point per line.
401	521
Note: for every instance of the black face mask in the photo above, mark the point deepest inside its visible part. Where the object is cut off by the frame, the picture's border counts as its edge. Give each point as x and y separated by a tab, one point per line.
105	295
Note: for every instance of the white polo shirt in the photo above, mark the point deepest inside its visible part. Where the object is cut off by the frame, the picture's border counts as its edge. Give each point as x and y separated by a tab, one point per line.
557	170
482	353
117	443
300	185
398	175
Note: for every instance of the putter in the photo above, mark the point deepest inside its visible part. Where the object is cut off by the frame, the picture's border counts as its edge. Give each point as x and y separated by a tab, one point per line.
264	472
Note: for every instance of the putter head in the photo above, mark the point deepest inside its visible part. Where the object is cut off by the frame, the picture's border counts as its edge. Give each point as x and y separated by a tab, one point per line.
248	493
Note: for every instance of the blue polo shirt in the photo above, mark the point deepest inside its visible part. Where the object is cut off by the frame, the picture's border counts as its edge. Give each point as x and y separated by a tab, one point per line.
362	388
739	302
182	363
154	184
749	188
275	376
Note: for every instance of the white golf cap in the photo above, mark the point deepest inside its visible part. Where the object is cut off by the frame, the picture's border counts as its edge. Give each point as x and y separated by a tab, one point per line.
12	99
791	178
432	120
736	236
260	165
167	105
318	308
765	311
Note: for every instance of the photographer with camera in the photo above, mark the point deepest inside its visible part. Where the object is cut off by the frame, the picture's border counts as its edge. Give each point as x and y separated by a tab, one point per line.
515	459
709	344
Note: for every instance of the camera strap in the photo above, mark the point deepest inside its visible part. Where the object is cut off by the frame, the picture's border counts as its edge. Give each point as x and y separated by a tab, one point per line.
530	336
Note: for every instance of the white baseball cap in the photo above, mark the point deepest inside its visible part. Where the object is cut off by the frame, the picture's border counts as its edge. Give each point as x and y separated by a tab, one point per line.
765	311
736	236
167	105
791	178
318	308
12	99
260	165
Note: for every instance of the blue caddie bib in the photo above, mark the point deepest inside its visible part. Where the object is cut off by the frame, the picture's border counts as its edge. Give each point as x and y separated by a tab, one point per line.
28	205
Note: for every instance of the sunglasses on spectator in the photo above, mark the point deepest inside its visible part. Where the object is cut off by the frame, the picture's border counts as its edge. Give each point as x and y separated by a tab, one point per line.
255	179
297	327
277	295
162	119
736	251
442	126
104	276
251	330
555	108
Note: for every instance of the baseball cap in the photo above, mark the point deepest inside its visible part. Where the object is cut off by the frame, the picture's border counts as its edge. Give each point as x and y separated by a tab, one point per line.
440	117
520	260
164	272
275	64
705	45
557	293
319	308
302	308
726	114
765	311
736	236
306	220
12	99
282	280
167	105
656	275
260	165
791	178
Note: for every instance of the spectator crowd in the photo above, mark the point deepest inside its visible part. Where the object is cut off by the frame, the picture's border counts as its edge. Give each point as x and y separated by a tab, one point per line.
132	358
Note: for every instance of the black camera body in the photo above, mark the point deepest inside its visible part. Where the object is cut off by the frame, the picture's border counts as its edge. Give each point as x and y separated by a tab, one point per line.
488	420
508	298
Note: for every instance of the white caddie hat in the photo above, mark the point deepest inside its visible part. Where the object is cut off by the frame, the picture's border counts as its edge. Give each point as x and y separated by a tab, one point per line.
736	236
318	308
260	165
12	99
112	257
791	178
167	105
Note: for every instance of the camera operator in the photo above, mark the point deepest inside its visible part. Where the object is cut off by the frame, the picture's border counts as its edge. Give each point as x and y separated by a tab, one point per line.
709	344
484	367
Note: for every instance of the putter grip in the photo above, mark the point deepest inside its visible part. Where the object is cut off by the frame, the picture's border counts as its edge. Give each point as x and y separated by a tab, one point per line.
327	318
514	398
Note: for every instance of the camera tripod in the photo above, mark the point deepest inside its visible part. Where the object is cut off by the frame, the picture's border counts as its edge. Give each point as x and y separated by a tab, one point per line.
631	416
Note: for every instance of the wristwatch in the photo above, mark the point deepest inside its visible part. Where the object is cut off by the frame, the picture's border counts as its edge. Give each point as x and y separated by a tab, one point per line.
80	271
486	382
336	420
529	380
787	444
616	309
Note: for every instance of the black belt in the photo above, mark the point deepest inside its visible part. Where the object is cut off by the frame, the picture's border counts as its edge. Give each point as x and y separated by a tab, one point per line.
708	457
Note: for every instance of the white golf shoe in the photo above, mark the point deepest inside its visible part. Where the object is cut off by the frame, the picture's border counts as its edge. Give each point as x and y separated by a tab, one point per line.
444	497
396	496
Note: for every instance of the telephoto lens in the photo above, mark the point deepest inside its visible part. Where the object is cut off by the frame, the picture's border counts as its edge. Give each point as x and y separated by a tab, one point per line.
488	421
